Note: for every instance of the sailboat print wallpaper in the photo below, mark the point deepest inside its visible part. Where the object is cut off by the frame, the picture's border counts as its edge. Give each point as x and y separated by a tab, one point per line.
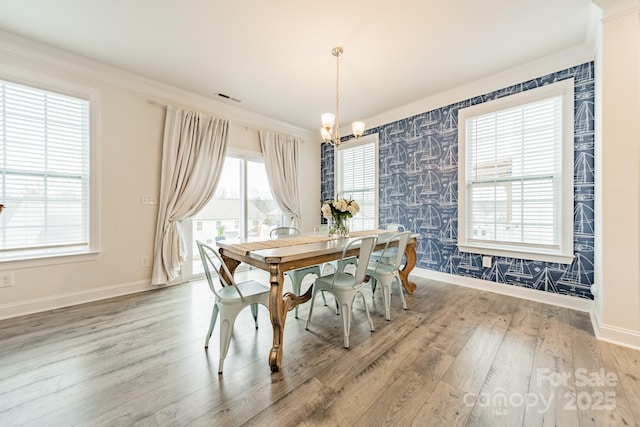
418	188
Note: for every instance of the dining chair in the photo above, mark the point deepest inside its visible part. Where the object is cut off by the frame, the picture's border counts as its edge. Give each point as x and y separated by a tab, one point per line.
283	232
386	270
324	229
345	287
296	276
230	298
381	255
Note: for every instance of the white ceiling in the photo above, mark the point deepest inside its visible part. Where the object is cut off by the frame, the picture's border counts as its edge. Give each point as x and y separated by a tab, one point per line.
275	55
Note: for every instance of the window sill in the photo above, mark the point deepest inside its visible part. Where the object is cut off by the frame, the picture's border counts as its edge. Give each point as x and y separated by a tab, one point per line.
10	262
520	254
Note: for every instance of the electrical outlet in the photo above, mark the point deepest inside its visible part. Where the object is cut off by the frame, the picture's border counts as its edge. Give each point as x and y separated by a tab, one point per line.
144	262
147	199
486	261
6	280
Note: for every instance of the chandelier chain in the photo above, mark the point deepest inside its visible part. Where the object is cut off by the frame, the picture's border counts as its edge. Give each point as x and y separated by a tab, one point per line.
337	53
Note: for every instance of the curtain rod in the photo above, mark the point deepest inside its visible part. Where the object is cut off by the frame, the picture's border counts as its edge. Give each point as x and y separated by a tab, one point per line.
231	120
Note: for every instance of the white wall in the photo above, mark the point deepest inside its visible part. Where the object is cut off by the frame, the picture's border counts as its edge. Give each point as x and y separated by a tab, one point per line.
618	305
130	137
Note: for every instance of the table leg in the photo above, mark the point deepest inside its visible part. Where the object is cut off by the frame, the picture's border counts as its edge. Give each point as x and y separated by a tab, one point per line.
278	315
279	305
411	258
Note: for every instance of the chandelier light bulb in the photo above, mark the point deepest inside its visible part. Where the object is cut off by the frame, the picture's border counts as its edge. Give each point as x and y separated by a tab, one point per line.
357	128
328	119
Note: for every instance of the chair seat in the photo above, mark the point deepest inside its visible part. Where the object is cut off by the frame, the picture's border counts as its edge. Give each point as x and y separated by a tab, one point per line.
248	289
342	280
380	268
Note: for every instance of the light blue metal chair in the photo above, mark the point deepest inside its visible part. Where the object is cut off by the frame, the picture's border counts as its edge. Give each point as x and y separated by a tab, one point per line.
230	299
345	287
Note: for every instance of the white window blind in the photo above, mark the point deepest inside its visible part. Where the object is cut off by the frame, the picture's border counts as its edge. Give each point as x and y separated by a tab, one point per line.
357	177
515	169
44	169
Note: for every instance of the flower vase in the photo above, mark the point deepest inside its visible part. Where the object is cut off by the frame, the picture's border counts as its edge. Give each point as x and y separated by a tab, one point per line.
338	227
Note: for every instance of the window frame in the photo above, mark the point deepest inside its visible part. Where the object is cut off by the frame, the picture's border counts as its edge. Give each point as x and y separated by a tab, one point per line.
563	252
53	256
363	140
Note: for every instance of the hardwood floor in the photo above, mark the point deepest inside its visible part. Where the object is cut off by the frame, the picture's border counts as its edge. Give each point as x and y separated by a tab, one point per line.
457	356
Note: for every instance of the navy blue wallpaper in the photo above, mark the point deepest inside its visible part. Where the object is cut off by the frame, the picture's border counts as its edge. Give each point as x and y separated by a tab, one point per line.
419	189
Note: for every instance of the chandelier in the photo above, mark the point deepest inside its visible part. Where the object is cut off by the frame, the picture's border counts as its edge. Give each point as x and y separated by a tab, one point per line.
328	131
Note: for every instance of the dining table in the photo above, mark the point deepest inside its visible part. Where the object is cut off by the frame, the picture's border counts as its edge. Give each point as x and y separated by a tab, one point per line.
276	256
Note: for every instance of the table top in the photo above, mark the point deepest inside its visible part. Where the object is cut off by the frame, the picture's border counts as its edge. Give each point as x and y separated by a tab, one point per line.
303	246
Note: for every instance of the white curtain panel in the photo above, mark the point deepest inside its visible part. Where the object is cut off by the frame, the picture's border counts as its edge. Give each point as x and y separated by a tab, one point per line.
193	154
281	162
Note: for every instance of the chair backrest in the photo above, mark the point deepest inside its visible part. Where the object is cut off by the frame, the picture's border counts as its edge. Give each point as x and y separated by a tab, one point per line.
393	227
366	244
403	239
396	252
321	228
283	232
212	262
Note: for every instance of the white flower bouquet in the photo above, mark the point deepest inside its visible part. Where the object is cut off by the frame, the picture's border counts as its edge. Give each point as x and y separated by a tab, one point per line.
337	211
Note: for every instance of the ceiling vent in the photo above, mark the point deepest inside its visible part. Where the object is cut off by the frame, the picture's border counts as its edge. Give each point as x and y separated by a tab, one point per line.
227	97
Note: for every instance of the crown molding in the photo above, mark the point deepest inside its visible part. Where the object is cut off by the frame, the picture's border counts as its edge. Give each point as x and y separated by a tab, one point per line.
87	69
540	67
613	9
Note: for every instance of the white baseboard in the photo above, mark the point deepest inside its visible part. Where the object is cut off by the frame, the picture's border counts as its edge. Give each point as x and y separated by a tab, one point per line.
37	305
619	336
579	304
613	334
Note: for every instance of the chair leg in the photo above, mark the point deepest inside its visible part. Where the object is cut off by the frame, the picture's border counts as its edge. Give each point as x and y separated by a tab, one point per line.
212	324
254	313
296	282
346	322
313	300
366	310
386	295
400	290
226	329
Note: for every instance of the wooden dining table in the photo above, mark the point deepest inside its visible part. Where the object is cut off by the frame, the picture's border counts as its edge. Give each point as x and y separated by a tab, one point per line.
279	255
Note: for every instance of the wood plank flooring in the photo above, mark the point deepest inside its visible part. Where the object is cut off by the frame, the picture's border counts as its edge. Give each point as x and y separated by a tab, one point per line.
457	356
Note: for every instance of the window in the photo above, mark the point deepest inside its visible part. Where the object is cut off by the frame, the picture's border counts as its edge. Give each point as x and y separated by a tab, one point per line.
357	178
242	206
516	175
44	173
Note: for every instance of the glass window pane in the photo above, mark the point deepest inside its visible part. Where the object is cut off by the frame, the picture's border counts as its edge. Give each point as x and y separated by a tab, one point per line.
44	168
263	212
223	217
